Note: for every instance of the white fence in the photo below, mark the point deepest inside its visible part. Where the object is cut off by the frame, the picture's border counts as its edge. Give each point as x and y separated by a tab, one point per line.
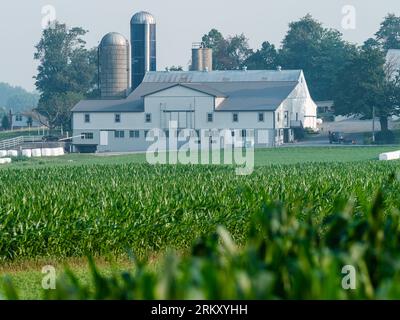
15	142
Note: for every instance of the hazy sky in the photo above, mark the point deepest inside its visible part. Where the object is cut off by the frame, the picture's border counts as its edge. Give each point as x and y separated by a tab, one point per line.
180	22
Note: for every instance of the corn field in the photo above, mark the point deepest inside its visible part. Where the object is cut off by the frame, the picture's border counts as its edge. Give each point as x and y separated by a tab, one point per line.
284	232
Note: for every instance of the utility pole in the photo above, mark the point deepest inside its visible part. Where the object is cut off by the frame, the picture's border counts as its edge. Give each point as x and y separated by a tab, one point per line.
373	124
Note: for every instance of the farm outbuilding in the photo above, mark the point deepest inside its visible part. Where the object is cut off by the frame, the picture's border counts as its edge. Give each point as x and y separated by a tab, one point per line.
275	102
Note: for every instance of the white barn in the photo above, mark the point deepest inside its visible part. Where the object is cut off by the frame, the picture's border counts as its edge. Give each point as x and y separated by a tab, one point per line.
247	102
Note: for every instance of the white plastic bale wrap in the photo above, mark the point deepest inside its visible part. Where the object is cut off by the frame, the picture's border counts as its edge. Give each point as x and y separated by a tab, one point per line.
3	153
395	155
27	153
36	152
52	152
5	161
46	152
60	151
12	153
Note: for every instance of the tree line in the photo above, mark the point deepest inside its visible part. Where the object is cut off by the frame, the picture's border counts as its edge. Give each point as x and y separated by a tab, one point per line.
356	77
16	98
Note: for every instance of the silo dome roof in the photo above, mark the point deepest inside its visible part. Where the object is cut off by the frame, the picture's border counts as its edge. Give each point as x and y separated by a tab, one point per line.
143	17
113	39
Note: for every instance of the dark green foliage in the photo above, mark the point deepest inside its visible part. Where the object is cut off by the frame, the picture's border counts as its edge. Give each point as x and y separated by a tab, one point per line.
365	85
5	122
107	209
318	51
389	32
265	58
288	254
67	72
385	137
20	159
228	53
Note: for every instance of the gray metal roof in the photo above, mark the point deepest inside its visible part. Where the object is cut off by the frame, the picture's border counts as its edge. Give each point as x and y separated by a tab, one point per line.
222	76
254	96
143	17
243	90
113	39
200	87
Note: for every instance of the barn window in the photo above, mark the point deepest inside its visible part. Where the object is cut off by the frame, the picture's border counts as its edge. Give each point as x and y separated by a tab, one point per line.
117	118
87	118
235	117
261	117
134	134
87	136
18	118
210	117
119	134
148	117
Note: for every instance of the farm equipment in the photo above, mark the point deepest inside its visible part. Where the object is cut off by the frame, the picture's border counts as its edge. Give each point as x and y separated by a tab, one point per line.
339	138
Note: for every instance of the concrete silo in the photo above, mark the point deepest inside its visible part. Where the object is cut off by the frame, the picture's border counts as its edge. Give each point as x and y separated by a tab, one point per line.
143	42
202	59
114	66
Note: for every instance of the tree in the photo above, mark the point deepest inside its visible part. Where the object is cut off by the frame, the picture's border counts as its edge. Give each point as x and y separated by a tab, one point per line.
67	70
265	58
318	51
388	34
57	109
229	53
5	123
364	85
213	39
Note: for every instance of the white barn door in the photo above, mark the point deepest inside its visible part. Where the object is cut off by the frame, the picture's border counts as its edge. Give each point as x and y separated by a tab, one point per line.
104	138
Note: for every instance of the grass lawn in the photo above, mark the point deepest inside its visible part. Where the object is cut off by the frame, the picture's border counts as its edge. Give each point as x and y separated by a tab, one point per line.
27	276
284	155
17	133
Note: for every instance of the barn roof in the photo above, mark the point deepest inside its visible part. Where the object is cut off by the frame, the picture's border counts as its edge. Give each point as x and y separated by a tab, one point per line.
242	90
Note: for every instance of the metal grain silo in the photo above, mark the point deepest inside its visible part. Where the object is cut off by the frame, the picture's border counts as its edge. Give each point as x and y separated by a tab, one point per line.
143	42
114	66
202	59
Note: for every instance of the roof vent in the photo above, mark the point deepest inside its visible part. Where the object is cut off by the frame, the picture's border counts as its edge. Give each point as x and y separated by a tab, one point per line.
279	68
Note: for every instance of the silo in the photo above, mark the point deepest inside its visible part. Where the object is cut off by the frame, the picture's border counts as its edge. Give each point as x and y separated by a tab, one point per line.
201	58
114	66
143	42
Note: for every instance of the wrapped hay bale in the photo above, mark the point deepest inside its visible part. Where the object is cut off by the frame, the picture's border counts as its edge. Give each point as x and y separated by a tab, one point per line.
27	153
5	160
46	152
12	153
36	152
395	155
